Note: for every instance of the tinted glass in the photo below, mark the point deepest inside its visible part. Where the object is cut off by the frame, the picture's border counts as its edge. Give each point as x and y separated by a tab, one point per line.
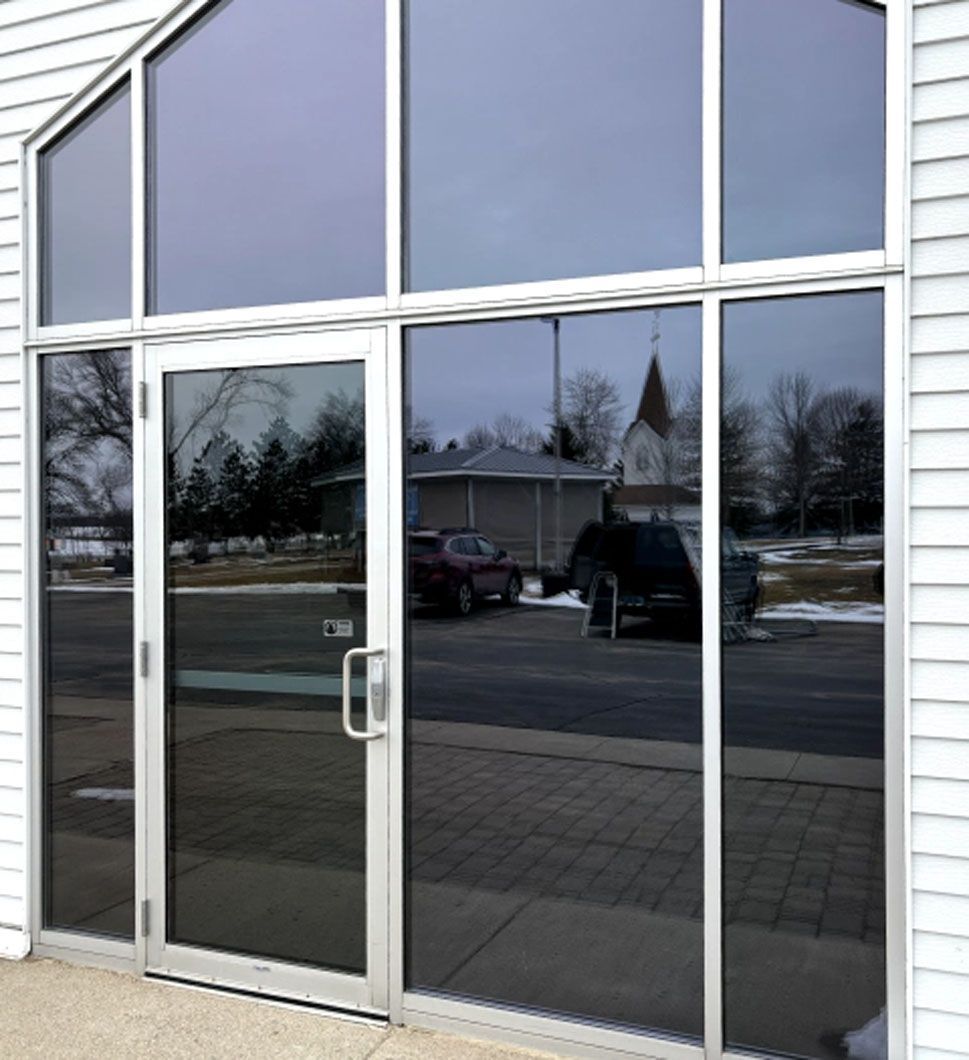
550	139
267	147
803	127
553	757
86	218
423	546
266	591
803	695
87	642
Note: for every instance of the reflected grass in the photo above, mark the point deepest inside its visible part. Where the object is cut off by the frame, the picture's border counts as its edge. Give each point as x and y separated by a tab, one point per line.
821	574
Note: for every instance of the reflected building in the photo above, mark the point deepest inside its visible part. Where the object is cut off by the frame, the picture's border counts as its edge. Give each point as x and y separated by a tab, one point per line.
657	458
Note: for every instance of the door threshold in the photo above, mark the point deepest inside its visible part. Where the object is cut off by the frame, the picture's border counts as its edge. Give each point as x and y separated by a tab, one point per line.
323	1008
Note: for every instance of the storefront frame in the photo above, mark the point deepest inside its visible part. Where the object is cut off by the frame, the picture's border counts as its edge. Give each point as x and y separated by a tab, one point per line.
711	284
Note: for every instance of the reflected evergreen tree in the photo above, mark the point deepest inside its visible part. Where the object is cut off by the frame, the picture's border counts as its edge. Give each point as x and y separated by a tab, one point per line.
305	500
275	498
177	528
280	431
338	432
571	449
197	507
234	492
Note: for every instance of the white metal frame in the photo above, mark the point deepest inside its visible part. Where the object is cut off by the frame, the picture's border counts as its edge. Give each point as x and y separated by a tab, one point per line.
367	993
709	284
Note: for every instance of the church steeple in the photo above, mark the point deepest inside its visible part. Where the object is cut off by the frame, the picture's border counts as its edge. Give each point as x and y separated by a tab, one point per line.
654	409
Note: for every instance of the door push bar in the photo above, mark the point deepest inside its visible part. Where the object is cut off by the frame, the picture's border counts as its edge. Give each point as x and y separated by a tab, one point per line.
376	691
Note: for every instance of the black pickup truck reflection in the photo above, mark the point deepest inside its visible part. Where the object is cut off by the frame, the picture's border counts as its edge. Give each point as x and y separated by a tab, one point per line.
657	568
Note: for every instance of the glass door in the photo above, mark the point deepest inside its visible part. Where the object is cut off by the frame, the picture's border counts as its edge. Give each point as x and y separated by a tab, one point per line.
267	622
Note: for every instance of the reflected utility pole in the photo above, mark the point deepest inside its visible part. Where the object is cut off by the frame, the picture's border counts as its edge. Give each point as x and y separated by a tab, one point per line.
557	435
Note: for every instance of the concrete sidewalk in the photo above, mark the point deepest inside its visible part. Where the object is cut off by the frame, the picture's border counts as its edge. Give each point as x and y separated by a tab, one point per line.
64	1012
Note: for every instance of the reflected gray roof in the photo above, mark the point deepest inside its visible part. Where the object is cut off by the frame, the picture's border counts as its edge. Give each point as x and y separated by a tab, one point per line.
495	462
499	460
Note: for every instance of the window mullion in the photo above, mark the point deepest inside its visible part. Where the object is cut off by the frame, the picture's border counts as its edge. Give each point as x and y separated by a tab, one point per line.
712	757
394	152
139	141
712	122
897	77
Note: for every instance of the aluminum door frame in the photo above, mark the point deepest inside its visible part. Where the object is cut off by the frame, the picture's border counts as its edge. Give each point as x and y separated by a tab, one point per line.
369	994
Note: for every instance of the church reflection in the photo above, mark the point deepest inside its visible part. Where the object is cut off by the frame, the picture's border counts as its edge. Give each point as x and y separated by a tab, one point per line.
554	741
554	758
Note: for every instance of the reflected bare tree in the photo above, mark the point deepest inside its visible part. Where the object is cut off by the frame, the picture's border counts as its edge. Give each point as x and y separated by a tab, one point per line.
420	435
793	419
337	435
215	406
87	442
850	433
506	431
592	410
741	453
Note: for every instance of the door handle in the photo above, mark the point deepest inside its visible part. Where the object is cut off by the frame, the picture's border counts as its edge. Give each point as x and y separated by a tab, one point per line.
379	689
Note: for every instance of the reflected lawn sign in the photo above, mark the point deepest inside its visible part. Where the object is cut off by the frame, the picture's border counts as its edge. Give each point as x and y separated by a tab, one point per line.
654	572
553	784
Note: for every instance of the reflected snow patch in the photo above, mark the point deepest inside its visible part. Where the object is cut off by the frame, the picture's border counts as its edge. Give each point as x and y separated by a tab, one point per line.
827	612
106	794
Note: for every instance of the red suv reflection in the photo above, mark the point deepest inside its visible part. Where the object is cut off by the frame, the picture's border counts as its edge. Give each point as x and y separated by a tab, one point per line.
456	566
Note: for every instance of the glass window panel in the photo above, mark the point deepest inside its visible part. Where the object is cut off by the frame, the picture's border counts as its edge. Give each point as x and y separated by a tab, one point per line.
803	689
87	642
266	548
803	128
267	147
551	139
86	218
553	772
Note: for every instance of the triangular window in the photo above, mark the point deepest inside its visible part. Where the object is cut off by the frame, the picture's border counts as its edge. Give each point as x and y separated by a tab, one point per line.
85	179
266	172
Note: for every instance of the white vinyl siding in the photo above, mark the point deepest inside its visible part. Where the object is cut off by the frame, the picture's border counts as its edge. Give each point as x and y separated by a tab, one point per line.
49	49
939	527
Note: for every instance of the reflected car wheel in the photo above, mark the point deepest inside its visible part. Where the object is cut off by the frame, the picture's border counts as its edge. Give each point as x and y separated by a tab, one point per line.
512	594
464	599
